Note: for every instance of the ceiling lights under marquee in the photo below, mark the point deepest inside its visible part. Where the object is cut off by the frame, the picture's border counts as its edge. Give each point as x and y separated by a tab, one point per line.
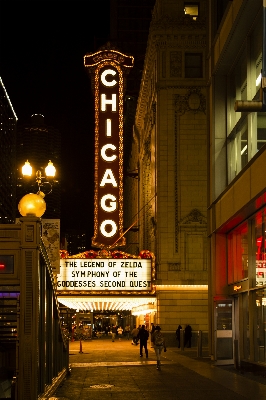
129	303
181	287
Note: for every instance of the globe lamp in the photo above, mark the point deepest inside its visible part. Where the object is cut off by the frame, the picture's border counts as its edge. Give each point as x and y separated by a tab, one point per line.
32	204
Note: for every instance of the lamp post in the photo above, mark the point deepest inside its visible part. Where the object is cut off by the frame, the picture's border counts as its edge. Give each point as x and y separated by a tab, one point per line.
34	204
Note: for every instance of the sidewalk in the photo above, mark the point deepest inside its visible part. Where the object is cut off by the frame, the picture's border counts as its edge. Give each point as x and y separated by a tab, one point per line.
113	370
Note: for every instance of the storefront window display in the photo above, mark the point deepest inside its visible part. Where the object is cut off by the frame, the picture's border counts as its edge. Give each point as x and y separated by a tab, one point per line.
260	331
260	248
247	260
237	242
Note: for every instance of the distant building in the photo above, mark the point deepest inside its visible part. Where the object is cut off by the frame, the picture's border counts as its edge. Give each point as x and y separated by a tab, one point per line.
74	241
8	124
39	143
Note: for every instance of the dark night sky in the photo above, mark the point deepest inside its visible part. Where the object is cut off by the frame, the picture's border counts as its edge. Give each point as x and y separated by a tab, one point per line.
42	44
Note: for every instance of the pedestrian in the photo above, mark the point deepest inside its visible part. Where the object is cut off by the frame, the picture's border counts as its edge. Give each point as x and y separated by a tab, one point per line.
143	338
188	335
120	332
152	330
113	331
177	332
127	331
134	334
158	344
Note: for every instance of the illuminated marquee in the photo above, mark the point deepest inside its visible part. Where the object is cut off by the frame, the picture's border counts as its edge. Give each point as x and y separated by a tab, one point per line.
105	274
108	68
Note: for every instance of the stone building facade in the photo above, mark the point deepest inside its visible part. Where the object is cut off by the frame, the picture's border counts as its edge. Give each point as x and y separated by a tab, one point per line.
166	193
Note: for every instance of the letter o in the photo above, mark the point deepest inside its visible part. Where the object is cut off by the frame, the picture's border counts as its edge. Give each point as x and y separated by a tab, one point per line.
112	205
103	226
103	77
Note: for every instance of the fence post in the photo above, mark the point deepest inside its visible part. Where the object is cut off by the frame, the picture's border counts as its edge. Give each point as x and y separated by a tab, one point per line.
199	347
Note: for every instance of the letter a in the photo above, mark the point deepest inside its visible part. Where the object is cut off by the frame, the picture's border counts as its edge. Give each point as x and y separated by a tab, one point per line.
108	177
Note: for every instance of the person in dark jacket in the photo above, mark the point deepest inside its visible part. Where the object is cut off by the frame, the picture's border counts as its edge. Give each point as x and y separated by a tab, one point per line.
135	333
188	335
143	338
114	331
177	332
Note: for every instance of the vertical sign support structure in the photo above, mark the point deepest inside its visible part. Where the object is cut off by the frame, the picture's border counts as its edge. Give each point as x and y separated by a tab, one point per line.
108	68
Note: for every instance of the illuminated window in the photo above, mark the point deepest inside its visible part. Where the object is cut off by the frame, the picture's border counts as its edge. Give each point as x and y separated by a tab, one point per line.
193	65
237	242
6	264
192	9
260	218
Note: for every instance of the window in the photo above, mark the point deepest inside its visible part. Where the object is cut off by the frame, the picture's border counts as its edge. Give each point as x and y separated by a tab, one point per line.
237	242
260	248
6	264
193	65
246	132
192	9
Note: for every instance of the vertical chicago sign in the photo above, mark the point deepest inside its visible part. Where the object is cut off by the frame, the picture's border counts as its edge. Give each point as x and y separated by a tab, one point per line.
108	69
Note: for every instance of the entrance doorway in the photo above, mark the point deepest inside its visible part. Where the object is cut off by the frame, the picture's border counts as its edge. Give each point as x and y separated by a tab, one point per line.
224	333
104	320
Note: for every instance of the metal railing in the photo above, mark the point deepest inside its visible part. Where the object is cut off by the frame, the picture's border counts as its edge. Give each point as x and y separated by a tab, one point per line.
33	346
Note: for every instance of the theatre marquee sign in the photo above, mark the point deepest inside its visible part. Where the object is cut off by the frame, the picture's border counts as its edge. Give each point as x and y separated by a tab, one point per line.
105	275
108	69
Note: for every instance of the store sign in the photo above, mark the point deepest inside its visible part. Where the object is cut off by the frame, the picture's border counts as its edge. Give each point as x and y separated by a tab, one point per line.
108	69
105	274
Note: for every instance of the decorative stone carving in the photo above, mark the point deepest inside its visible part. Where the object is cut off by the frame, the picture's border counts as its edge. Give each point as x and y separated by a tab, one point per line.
176	64
194	101
195	216
174	266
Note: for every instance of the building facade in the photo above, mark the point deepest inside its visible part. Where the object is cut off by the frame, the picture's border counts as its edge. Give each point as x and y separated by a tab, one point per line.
237	184
8	125
166	194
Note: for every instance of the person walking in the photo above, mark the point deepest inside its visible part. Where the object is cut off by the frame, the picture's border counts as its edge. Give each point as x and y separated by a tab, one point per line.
152	330
177	332
158	344
188	335
113	331
120	332
143	338
134	334
127	331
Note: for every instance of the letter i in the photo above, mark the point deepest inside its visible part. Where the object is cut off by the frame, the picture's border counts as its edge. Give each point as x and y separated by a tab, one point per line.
108	130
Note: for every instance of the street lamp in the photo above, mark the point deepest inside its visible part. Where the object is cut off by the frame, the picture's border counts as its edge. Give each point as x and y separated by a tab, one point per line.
34	204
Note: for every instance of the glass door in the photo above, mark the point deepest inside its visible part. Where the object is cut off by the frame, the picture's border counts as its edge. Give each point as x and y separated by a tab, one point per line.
223	332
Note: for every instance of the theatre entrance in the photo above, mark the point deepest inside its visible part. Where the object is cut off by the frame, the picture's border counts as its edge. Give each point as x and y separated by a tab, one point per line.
91	317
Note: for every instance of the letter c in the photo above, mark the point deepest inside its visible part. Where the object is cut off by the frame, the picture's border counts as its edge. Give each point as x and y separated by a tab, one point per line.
103	77
103	152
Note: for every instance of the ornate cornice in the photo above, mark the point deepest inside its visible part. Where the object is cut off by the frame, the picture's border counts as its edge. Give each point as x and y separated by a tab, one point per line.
180	41
183	23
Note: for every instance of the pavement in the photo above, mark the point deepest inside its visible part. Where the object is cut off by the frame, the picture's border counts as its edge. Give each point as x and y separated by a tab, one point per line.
103	370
